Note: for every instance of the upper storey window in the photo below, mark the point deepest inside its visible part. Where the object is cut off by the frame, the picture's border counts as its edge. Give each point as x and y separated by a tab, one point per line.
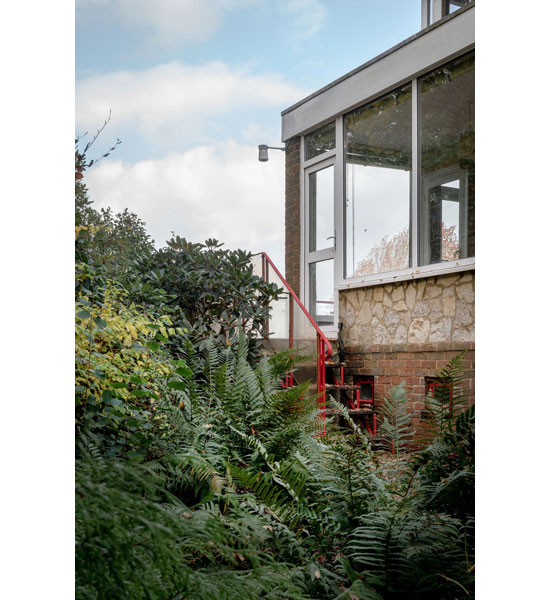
320	141
378	158
387	191
452	5
447	209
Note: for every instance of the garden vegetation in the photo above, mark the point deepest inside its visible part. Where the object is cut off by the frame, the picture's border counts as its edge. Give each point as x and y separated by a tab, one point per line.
199	477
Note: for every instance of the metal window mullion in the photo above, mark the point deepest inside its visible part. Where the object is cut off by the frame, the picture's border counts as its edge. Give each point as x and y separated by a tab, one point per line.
304	288
415	175
438	10
318	159
339	253
425	14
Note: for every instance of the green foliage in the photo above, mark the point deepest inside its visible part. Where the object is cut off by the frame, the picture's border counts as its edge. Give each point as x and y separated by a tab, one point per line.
242	468
447	469
447	400
120	372
396	430
199	476
407	553
134	540
211	290
106	241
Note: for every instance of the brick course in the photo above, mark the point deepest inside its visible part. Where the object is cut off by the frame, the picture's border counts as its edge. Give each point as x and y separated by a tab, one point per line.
292	214
411	363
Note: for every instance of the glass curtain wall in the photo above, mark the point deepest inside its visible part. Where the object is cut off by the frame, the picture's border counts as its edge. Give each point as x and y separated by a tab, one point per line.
447	132
378	162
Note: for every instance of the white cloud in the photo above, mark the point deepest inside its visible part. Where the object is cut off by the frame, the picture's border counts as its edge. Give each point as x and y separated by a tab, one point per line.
191	21
175	93
217	191
186	21
307	16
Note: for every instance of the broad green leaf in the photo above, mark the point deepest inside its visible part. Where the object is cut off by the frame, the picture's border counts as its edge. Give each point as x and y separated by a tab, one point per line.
184	371
100	323
178	385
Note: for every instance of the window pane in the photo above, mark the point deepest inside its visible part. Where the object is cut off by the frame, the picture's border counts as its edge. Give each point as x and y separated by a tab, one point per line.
321	291
321	209
453	5
447	130
320	141
378	148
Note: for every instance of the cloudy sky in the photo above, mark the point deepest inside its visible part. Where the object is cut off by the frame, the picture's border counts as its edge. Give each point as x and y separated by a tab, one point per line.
194	86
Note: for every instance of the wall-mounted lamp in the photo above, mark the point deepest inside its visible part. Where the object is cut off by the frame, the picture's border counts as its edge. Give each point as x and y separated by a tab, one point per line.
262	152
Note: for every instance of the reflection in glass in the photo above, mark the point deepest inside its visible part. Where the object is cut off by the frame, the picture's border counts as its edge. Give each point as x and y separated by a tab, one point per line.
447	130
320	141
321	209
378	150
321	291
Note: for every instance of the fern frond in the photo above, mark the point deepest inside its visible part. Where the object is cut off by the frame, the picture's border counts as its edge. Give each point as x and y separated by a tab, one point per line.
396	430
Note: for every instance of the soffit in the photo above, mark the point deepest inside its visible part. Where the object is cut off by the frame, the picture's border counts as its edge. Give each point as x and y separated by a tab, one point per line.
429	48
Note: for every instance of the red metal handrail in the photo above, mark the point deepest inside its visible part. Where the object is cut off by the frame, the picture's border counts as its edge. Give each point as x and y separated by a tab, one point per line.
324	347
304	309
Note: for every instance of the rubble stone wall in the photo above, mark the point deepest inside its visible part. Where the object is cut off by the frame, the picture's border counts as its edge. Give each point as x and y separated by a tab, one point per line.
407	331
436	309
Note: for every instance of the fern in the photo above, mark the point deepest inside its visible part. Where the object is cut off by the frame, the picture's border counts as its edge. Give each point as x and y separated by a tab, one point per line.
396	430
447	401
408	554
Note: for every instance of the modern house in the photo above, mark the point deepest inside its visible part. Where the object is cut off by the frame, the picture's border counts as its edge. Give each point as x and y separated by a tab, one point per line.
380	206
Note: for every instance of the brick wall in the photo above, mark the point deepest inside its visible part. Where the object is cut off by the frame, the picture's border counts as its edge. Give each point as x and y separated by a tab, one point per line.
411	363
292	214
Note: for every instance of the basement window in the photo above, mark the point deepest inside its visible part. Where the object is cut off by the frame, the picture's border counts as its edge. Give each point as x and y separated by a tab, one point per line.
364	396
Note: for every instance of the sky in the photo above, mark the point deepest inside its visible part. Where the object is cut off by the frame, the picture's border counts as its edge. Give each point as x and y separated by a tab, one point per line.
193	87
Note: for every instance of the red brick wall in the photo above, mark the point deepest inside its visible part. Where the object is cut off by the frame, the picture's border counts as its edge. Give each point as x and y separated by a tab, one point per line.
292	214
411	363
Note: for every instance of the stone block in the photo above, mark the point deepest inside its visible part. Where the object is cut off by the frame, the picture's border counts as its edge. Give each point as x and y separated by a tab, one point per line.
432	291
419	330
465	291
410	295
440	331
398	293
400	306
449	306
378	294
464	314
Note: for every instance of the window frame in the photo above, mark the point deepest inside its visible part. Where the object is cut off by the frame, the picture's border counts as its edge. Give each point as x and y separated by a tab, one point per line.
415	271
314	165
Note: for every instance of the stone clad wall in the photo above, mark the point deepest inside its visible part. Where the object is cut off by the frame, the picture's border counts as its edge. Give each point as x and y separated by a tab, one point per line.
407	331
436	309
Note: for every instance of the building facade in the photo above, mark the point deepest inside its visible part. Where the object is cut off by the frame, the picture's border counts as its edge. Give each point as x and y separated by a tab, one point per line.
380	206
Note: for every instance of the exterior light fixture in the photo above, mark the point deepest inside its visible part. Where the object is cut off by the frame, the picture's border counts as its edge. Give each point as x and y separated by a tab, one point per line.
262	151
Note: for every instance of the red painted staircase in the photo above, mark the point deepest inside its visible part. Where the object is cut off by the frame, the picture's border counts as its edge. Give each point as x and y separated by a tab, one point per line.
291	326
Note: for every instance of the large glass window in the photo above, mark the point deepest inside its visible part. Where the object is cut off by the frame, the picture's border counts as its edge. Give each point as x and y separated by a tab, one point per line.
374	189
377	154
320	141
321	290
446	125
321	209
